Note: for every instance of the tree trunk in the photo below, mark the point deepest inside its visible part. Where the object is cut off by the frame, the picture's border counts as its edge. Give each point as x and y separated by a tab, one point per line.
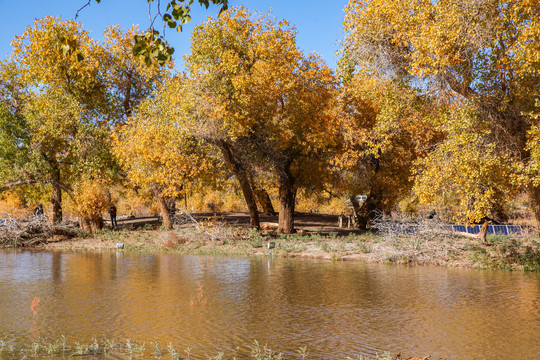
97	223
264	201
483	232
369	209
167	224
56	196
242	176
295	192
85	225
91	224
534	194
356	208
499	214
286	201
171	205
24	203
373	203
56	201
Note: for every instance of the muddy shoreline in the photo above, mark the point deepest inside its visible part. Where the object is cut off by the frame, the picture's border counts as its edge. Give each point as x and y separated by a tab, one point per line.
446	250
318	237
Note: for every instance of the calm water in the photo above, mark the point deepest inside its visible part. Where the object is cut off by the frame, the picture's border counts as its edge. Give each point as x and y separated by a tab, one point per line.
216	304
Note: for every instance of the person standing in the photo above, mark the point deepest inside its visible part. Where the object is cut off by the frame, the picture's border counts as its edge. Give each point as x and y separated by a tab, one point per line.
39	210
112	212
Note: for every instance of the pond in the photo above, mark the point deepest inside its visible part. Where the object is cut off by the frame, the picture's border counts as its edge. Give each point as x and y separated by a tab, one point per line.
212	304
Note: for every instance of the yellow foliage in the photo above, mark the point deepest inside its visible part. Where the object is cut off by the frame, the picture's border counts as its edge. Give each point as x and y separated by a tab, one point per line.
465	173
59	54
12	205
251	89
384	128
321	205
479	61
227	200
132	204
92	198
69	90
156	150
233	202
130	80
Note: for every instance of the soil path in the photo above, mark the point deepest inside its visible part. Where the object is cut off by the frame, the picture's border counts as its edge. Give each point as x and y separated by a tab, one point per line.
304	222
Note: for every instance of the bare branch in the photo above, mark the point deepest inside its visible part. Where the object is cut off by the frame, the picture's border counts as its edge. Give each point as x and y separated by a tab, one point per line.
32	231
85	5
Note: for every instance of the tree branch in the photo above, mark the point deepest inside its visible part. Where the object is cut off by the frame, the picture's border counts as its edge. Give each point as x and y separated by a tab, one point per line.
63	186
85	5
462	89
13	184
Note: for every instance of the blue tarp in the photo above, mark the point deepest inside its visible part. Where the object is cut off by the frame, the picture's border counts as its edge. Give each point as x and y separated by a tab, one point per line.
492	229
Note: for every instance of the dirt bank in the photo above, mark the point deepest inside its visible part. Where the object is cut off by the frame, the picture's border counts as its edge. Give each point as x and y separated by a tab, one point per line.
318	237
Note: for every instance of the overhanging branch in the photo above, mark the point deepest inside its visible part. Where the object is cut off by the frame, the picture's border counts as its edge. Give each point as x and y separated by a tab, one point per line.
13	184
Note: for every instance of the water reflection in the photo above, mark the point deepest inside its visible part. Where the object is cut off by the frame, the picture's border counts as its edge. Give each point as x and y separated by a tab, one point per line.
221	304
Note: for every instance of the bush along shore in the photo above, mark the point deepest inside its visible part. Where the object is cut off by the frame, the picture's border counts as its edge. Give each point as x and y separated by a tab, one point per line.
428	245
61	348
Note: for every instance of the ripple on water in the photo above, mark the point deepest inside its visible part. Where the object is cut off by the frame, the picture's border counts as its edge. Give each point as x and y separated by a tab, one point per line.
223	304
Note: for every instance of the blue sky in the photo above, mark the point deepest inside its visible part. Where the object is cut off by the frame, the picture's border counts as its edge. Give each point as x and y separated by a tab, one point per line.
319	22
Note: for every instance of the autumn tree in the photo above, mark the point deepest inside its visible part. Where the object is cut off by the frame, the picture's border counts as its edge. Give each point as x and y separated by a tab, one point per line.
128	80
159	154
480	59
385	127
54	91
66	91
261	94
224	51
92	198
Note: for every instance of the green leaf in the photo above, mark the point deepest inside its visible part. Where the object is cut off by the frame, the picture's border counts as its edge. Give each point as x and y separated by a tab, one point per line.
80	57
137	49
162	58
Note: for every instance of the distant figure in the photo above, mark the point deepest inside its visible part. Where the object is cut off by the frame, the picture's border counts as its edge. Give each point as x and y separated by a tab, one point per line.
112	212
39	210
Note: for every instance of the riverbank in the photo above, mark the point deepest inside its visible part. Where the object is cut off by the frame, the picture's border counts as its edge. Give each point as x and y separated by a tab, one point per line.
214	236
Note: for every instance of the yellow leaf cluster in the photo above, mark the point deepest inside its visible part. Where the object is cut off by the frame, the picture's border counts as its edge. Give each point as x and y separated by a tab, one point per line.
92	198
156	149
249	80
465	175
479	62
